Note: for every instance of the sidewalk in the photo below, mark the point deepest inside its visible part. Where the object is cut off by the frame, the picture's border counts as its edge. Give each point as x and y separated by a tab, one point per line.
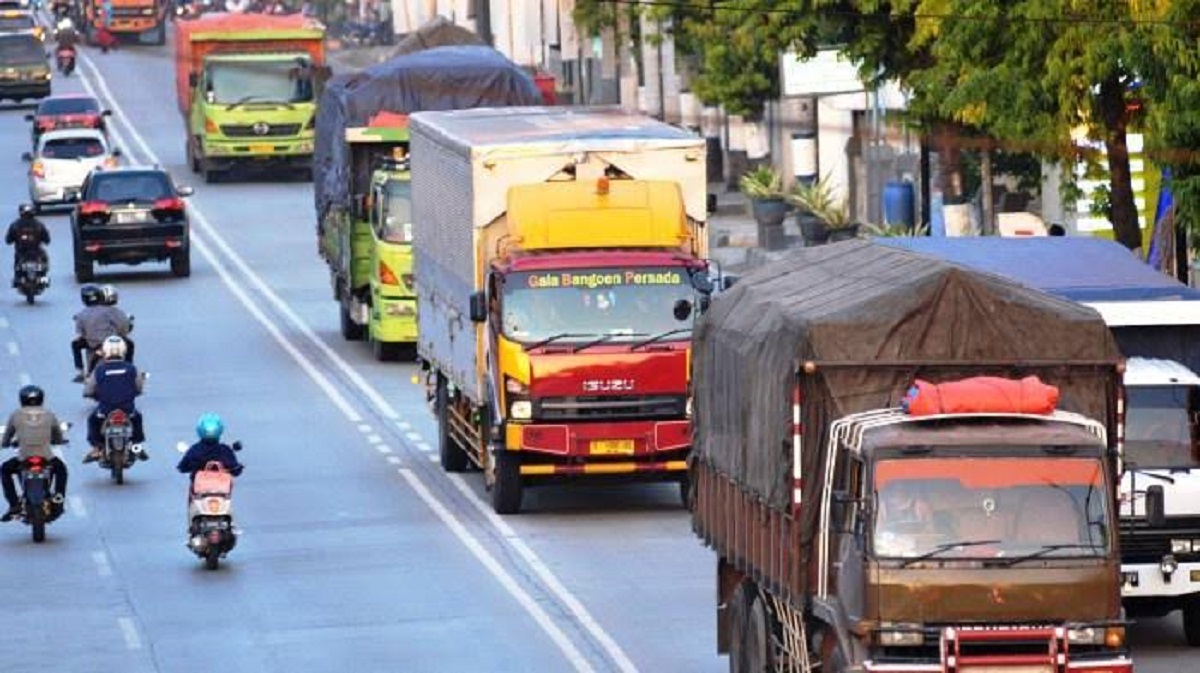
733	233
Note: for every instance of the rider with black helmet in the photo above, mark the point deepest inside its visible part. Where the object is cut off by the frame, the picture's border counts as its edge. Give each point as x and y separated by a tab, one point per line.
96	322
29	235
34	429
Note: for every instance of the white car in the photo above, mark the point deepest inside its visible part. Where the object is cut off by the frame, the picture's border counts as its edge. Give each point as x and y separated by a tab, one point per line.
62	160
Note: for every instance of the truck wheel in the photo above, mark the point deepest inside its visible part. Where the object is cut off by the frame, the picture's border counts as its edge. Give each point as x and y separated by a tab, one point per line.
738	607
181	264
384	351
211	176
351	331
453	458
1191	621
83	270
832	658
192	159
158	36
506	489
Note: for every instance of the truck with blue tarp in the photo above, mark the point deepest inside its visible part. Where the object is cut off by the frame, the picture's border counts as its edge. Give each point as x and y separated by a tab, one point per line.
1156	322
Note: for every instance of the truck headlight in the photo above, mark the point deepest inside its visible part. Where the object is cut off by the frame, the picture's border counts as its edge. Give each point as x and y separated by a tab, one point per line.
515	387
687	407
521	410
1181	546
906	637
1085	635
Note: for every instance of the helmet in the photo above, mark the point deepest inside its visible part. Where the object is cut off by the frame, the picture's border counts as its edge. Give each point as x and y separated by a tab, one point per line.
109	294
113	348
66	24
25	210
91	294
31	396
209	427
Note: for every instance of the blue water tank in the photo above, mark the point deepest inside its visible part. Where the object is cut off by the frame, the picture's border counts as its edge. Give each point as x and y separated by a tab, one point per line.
899	204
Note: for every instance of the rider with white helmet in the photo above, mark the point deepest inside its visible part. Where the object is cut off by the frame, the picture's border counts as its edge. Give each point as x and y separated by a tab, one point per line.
114	384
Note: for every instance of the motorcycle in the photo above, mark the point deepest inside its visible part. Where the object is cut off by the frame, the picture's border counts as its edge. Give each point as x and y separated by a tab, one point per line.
40	500
211	533
66	60
32	278
119	452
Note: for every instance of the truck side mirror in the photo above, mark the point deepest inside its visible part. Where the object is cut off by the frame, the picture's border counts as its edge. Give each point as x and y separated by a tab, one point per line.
1156	514
193	79
478	307
701	282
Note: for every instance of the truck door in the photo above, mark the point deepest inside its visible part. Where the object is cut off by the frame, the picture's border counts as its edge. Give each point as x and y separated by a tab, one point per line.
849	531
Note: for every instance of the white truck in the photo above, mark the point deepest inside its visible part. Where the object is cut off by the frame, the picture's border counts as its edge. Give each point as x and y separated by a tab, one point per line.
559	256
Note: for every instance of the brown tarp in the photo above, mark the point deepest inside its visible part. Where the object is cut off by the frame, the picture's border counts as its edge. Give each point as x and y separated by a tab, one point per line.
872	317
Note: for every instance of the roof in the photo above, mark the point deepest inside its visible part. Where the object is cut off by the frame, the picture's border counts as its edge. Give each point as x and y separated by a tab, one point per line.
239	26
1158	372
1151	313
1080	268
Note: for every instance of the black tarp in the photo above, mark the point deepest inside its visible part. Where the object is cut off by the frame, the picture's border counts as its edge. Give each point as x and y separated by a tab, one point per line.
872	318
442	78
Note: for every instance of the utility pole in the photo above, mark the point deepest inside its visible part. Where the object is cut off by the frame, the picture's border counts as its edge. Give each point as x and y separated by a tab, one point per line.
483	21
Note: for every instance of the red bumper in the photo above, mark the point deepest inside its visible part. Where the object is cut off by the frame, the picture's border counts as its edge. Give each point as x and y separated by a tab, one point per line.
602	448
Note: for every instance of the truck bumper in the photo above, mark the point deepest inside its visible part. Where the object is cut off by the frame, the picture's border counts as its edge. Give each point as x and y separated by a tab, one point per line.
263	152
1107	666
394	320
630	448
130	26
1149	581
132	251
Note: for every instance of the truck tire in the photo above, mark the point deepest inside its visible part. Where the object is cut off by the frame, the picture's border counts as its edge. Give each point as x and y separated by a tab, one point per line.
351	331
452	457
192	159
181	263
738	612
506	489
158	36
83	269
211	175
1191	621
385	351
760	629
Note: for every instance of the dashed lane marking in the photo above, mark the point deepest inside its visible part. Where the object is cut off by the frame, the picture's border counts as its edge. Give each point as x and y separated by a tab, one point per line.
103	568
423	446
383	448
129	630
394	460
13	348
374	439
77	507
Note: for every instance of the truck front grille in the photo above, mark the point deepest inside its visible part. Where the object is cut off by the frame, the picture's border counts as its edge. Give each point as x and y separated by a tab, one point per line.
263	131
625	407
1142	544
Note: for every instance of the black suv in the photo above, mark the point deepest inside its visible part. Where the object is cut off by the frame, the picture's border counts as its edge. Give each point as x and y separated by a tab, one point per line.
130	215
24	68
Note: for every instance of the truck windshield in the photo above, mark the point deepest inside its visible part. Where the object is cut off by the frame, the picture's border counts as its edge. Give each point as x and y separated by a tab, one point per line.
1157	432
626	303
949	507
396	217
238	82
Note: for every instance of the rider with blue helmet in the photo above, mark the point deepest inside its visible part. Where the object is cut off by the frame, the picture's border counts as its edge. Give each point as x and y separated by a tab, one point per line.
209	428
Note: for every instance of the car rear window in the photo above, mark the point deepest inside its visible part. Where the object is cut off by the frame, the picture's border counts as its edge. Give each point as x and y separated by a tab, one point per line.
16	22
21	49
130	187
67	106
72	148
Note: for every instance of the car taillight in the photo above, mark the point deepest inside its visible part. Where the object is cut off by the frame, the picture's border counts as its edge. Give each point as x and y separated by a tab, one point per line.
110	162
38	169
210	126
93	207
45	124
169	203
386	276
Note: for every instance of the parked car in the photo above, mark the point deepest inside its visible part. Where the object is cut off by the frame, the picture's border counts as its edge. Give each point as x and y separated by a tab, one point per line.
130	215
21	21
24	70
67	111
62	160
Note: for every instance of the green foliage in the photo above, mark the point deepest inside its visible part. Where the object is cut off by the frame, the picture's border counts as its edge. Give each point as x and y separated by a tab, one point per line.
817	198
763	182
895	230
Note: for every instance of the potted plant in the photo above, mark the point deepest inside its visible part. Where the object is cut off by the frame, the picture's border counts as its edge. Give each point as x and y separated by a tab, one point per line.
820	216
764	187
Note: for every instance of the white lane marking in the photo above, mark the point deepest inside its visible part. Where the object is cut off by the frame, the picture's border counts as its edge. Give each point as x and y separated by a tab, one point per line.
413	436
432	458
103	568
3	323
404	425
57	452
12	347
383	448
422	446
129	630
548	578
394	460
376	399
374	439
364	427
24	379
77	506
493	566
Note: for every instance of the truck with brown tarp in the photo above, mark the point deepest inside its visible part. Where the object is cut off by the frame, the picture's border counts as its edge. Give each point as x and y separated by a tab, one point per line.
853	535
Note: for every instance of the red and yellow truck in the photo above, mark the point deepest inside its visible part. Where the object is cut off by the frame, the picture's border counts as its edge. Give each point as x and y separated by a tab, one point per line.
248	85
145	20
560	263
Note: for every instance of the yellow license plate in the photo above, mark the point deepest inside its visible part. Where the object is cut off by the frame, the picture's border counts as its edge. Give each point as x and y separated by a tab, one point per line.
262	148
611	447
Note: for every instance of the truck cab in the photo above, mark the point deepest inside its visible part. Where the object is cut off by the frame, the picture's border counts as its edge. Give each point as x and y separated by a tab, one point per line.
392	325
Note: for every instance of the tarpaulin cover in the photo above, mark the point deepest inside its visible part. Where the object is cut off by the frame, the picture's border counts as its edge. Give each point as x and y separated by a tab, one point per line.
873	318
980	395
442	78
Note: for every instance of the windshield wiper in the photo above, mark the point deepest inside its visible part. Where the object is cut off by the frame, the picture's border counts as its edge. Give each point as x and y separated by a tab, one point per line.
1046	549
556	337
660	337
607	337
945	547
246	99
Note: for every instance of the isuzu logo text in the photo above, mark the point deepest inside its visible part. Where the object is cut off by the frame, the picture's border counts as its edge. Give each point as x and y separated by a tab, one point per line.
608	385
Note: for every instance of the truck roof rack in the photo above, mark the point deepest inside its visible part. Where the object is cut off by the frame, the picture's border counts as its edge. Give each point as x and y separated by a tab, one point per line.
850	429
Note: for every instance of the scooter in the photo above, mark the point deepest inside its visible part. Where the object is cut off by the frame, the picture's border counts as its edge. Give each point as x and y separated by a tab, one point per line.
32	278
65	57
40	500
211	533
120	453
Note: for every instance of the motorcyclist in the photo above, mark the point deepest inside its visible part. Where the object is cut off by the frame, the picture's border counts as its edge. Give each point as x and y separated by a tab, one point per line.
29	235
209	448
34	429
65	34
99	319
114	384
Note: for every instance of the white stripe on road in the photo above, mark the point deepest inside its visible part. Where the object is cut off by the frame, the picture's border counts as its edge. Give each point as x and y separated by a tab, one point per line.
103	568
404	425
394	460
422	446
376	399
12	347
24	379
364	427
374	439
506	580
383	448
77	506
129	630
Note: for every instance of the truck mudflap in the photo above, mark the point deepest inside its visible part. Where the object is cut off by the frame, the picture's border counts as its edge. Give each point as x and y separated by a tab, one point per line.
602	448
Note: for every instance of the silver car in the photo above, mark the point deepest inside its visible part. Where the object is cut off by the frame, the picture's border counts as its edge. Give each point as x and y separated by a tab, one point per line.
62	160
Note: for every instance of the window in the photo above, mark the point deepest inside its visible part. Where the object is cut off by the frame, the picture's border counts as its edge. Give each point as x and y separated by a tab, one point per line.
130	187
68	106
72	148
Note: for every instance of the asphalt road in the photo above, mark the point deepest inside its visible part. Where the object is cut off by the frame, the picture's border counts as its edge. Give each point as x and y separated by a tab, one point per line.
358	553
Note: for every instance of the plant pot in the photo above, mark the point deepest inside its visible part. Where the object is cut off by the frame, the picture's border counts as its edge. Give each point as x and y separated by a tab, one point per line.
843	233
812	228
769	212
